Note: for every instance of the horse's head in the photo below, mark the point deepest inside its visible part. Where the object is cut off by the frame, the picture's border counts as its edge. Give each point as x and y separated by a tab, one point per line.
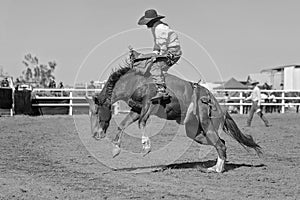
100	116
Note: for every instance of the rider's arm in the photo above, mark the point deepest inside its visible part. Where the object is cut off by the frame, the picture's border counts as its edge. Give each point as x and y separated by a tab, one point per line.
249	97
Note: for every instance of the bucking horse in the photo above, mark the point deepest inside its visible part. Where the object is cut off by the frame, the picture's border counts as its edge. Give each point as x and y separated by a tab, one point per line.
190	105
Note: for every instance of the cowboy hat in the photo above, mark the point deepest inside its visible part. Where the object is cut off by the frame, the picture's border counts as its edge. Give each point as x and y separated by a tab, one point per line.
150	15
254	83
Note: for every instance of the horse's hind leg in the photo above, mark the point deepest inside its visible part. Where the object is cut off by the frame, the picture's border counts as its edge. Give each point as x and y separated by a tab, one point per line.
212	138
221	149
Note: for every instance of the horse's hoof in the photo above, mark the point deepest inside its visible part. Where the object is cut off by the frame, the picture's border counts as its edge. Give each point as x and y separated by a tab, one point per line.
214	169
211	169
116	151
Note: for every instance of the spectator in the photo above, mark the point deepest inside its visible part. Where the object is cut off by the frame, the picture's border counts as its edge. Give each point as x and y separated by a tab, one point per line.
272	99
264	99
246	108
256	103
91	86
230	108
61	85
52	83
227	97
5	82
17	84
281	86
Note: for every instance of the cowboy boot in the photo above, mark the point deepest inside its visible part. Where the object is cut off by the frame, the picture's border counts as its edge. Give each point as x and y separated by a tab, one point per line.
161	93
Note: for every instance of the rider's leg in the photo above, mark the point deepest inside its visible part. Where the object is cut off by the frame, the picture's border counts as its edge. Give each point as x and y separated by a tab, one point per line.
159	80
260	114
251	113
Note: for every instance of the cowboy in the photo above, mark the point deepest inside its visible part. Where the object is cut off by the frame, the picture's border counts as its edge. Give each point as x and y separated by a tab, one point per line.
52	83
256	104
166	51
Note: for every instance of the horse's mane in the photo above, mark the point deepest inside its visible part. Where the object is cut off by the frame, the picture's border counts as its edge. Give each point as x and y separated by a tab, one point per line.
105	95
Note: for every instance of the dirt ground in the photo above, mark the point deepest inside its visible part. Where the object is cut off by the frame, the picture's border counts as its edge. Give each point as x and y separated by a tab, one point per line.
54	157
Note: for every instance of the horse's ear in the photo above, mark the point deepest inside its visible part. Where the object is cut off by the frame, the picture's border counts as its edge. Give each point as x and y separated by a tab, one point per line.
92	105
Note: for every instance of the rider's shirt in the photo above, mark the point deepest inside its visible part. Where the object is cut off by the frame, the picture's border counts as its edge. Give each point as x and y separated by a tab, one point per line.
165	40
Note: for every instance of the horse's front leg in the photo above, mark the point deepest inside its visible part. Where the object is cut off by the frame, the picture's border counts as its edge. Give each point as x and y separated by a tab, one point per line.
145	142
130	118
146	112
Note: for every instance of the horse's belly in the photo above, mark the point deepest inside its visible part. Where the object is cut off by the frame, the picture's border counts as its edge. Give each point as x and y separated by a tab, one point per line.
169	113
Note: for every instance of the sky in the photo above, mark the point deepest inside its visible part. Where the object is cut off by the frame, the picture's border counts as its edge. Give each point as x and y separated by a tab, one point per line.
88	38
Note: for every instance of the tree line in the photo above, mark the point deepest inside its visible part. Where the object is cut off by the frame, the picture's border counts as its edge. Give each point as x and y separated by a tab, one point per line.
36	72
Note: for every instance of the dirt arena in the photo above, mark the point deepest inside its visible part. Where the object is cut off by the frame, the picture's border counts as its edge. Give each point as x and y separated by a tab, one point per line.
46	158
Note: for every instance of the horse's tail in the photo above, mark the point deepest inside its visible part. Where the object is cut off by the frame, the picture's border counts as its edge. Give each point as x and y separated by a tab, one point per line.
245	140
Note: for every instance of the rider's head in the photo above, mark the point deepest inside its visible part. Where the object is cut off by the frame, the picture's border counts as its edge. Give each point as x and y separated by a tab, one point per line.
150	18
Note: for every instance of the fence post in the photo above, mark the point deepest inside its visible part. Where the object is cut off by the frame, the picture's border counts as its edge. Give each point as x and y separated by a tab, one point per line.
282	102
13	102
241	103
86	87
71	104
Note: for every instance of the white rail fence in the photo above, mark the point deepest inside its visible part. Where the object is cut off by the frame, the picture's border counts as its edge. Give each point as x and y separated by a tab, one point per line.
70	94
283	98
238	100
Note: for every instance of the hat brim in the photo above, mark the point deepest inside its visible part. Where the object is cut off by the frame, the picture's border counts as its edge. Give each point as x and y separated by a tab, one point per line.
255	83
143	20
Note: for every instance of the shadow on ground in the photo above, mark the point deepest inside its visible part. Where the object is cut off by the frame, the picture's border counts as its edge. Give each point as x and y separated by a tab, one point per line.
201	166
